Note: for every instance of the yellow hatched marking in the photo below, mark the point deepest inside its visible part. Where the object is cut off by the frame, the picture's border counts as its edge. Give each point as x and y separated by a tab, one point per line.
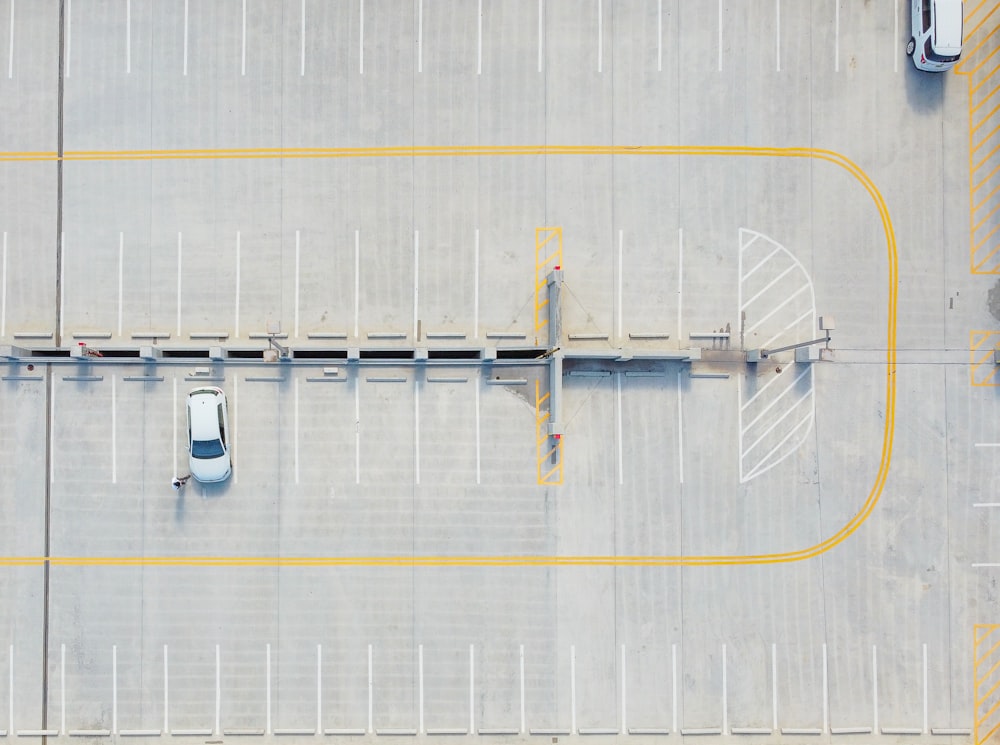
545	452
979	66
544	263
986	680
982	370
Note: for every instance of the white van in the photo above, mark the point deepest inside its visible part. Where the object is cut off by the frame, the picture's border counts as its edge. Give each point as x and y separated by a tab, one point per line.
936	43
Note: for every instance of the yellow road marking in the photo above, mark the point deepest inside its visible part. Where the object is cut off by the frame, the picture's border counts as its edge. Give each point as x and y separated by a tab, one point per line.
979	65
985	704
823	546
981	355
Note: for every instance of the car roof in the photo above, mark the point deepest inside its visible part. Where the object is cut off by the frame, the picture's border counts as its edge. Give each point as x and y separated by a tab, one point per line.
948	26
203	406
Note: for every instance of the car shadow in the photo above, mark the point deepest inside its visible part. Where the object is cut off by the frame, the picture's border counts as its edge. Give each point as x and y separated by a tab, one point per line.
924	90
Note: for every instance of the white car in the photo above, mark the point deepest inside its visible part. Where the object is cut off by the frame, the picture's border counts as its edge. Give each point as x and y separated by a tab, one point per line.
936	44
208	432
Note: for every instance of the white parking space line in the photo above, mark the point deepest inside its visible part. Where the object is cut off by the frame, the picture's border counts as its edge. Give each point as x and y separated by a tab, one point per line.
10	45
357	433
121	259
114	430
725	695
114	689
624	726
10	690
572	689
472	689
826	692
52	432
774	687
180	244
128	37
361	38
680	431
416	279
3	289
618	425
416	431
357	281
680	280
874	689
62	283
986	504
69	26
618	298
720	70
186	37
420	689
296	284
243	45
987	445
296	428
673	678
218	690
541	32
319	688
836	36
479	45
371	687
174	462
659	35
166	692
236	324
478	449
521	658
925	727
236	413
267	689
777	35
420	35
475	289
302	40
600	36
62	689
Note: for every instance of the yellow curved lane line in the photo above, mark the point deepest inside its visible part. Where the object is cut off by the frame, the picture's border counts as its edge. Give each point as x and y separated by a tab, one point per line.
509	561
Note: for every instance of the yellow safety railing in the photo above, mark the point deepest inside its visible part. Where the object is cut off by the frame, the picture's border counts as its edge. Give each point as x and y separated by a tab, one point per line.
548	448
547	258
986	683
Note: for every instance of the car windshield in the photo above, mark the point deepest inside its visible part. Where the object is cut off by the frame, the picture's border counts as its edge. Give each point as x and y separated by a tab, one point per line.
207	449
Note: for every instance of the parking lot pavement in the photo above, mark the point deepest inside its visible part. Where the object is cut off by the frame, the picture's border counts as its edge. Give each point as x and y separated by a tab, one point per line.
801	545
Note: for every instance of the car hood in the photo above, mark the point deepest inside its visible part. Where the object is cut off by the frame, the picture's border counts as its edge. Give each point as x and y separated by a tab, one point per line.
216	469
